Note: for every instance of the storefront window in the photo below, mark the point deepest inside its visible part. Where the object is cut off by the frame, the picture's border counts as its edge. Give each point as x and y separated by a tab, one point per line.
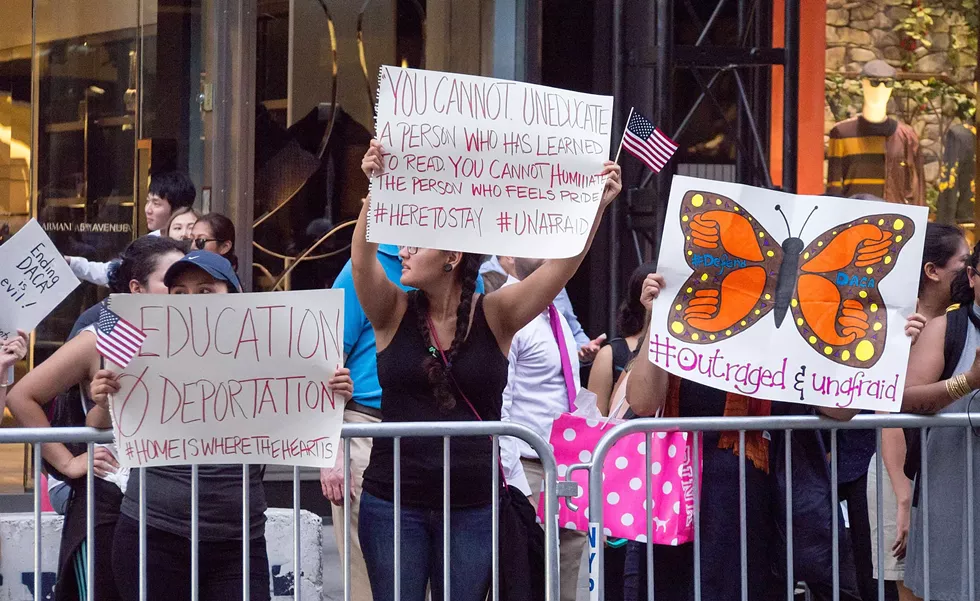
315	118
112	87
15	168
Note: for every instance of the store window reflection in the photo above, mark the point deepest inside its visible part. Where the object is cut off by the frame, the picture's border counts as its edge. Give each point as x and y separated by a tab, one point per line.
15	173
105	93
313	125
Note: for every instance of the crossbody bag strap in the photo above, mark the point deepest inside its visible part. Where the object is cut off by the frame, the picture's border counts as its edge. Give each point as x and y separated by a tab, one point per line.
435	338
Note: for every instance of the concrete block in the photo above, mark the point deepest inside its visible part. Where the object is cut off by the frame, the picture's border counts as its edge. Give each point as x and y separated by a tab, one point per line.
17	555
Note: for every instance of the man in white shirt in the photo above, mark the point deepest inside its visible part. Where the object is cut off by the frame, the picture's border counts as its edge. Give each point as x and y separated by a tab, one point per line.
587	349
168	192
542	382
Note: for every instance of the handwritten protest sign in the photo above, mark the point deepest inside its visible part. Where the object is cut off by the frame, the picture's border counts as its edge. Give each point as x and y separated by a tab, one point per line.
787	298
487	165
34	279
231	378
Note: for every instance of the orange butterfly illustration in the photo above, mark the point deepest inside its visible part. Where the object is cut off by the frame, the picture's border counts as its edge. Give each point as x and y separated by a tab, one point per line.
741	273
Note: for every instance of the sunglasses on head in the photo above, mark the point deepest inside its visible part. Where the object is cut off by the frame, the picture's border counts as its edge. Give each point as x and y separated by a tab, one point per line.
888	82
200	243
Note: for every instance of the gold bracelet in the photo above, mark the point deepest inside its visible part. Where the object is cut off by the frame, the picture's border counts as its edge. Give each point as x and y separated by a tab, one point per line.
949	389
965	387
958	386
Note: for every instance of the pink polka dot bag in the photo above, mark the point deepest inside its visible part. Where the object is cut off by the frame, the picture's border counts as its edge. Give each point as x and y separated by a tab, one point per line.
672	473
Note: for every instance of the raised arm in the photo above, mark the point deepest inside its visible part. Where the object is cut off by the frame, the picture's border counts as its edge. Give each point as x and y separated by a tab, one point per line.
71	364
601	378
383	302
646	389
11	351
924	391
513	307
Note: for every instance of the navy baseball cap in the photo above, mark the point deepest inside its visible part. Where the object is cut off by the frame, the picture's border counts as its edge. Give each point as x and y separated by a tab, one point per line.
213	264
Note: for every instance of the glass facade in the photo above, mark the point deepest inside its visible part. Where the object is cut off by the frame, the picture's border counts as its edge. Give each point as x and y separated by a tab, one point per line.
98	95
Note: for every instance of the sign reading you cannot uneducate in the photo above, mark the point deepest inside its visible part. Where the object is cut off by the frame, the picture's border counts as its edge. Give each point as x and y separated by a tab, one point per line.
231	378
487	165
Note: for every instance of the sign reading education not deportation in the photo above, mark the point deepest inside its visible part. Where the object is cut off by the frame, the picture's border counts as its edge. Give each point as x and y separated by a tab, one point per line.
231	378
487	165
34	279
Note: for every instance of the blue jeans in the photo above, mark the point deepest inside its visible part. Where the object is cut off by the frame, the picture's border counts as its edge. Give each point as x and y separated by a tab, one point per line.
470	551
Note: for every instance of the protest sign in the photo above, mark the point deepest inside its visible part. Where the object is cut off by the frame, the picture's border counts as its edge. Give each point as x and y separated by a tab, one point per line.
487	165
231	378
34	279
787	298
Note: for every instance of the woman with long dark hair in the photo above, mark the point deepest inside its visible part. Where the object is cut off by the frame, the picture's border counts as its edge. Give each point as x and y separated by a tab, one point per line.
442	356
612	358
140	270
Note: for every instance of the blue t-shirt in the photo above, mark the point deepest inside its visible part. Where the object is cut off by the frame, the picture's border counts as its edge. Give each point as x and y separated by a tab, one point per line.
359	343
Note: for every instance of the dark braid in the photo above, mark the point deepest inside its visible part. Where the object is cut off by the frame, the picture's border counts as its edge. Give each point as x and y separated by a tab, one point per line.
438	374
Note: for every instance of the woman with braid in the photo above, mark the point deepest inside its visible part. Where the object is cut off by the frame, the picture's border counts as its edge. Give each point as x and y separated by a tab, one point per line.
442	357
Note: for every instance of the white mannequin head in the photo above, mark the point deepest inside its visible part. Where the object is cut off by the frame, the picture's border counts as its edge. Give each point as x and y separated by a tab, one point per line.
877	81
875	100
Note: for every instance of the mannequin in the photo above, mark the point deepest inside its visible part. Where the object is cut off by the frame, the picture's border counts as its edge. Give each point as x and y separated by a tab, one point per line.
874	153
957	174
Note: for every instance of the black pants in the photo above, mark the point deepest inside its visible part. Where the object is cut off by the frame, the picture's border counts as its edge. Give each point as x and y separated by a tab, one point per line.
856	495
614	560
168	566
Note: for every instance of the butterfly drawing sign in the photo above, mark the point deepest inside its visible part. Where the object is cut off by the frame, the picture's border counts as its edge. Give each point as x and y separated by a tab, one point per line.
785	297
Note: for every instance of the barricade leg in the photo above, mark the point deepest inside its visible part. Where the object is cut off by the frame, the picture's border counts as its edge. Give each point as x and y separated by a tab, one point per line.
834	518
971	566
743	530
90	526
195	534
790	579
880	515
38	567
297	537
924	433
246	539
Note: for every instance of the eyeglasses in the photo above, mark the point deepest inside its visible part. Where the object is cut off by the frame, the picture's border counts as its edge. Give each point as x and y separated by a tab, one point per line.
888	82
412	250
200	243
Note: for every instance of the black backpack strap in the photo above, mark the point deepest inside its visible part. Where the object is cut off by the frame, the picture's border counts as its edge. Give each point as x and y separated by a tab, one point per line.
956	324
621	356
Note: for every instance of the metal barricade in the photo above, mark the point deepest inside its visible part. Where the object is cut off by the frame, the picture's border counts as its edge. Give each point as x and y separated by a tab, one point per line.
787	424
443	430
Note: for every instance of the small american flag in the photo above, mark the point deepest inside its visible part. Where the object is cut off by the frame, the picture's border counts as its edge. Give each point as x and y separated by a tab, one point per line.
116	339
644	141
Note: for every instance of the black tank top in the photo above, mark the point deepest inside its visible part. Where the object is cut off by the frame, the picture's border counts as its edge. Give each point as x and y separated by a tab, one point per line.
480	371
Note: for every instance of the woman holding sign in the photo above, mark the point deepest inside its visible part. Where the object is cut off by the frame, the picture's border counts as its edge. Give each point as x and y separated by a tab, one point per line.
169	489
442	356
139	271
651	389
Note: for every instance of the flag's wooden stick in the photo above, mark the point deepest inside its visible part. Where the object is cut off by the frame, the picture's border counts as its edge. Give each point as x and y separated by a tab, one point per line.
618	152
